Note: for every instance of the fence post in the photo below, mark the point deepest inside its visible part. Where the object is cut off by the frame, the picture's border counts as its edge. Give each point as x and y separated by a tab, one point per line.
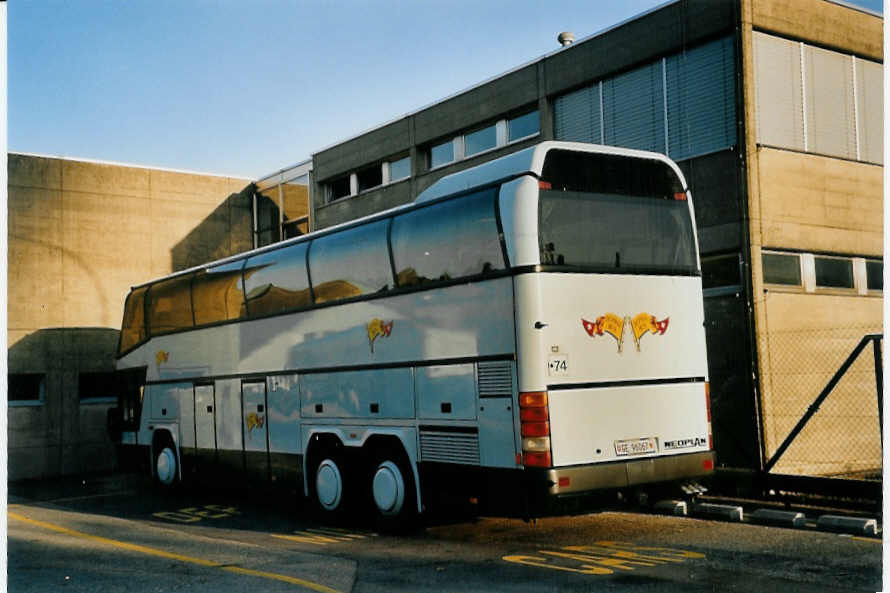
879	380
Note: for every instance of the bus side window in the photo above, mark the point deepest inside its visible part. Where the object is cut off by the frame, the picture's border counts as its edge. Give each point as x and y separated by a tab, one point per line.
217	294
133	326
170	305
449	240
277	281
351	263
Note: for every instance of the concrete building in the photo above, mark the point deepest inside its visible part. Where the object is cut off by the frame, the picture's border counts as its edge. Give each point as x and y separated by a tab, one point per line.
80	235
773	109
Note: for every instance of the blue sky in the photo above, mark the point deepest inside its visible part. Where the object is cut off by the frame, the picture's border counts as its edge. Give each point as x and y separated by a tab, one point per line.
246	87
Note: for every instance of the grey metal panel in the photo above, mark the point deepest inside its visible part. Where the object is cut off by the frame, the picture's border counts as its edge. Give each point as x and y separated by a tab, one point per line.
205	430
495	379
449	447
497	439
253	416
701	99
355	394
577	115
778	92
228	415
831	125
870	107
284	414
165	400
633	109
446	392
186	417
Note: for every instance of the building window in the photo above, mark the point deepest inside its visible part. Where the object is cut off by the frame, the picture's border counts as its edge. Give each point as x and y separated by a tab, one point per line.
400	169
874	273
266	214
817	100
781	268
480	140
339	188
442	154
26	387
523	126
834	272
370	177
720	271
682	105
95	386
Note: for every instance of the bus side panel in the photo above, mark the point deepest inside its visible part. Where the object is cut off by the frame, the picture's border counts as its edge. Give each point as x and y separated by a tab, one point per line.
383	393
285	453
229	440
446	392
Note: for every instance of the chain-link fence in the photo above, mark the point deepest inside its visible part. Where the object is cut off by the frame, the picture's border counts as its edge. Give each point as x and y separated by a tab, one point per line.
842	438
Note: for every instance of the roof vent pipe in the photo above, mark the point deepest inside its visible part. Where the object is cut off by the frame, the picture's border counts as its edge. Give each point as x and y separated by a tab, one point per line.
566	38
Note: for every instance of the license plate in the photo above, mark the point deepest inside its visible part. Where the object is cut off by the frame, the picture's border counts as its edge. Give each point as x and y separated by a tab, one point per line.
635	446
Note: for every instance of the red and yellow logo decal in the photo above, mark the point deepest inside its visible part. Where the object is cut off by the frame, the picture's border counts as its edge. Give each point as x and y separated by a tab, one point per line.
254	420
612	324
377	328
162	356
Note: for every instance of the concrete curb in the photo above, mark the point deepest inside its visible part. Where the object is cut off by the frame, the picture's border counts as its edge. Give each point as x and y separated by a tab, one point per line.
777	517
718	511
853	525
677	508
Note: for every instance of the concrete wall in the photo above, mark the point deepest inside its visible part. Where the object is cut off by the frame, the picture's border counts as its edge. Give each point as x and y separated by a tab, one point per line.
80	235
812	203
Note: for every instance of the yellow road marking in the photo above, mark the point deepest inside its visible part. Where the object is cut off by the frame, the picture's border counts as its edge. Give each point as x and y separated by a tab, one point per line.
180	557
873	540
604	557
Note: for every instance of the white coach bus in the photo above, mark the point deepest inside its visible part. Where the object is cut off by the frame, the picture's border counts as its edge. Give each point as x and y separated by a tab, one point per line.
527	330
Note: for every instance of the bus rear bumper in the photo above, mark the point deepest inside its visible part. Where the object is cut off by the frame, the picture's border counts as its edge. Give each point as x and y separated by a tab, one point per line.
560	481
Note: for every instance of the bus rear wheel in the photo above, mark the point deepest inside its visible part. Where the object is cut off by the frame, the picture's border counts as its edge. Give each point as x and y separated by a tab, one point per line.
393	494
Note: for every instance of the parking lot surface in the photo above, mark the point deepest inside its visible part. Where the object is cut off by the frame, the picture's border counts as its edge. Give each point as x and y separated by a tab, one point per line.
119	534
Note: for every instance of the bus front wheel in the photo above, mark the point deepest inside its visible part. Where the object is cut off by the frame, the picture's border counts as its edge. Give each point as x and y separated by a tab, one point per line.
166	466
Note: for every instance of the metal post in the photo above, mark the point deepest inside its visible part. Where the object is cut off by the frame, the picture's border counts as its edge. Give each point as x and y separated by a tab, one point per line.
879	383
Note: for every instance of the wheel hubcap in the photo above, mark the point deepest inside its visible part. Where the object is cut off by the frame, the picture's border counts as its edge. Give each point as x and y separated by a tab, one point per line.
389	488
328	484
166	466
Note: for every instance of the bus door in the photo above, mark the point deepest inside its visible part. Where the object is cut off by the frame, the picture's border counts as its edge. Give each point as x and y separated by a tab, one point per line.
255	429
205	428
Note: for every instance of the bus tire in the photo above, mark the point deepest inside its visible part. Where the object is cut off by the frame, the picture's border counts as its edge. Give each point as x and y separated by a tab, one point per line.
329	484
166	466
393	494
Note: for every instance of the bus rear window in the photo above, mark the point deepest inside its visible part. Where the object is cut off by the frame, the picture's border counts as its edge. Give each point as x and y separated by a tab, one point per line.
614	214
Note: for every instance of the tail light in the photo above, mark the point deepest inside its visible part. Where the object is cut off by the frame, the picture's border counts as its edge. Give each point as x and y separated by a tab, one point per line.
708	406
534	423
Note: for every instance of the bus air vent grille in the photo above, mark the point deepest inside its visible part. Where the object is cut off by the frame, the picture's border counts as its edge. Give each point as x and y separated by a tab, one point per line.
495	379
449	447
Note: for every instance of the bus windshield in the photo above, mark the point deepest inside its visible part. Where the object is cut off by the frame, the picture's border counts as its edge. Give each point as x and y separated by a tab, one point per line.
612	214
